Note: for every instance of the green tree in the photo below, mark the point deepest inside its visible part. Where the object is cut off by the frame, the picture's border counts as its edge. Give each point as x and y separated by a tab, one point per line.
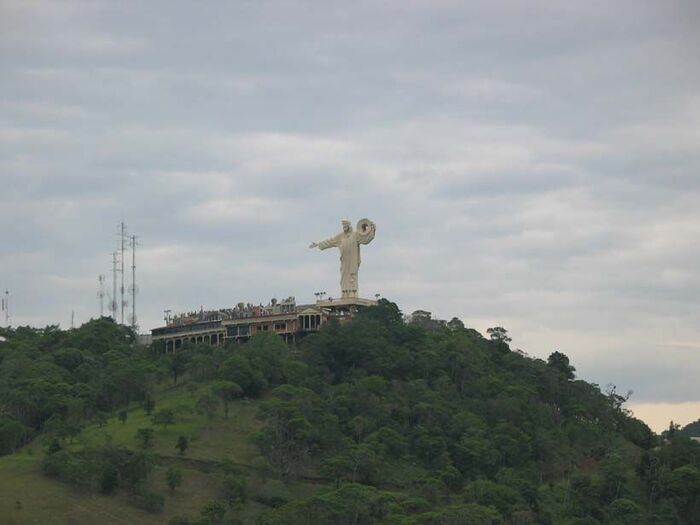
143	498
207	404
625	512
682	486
268	354
164	416
499	334
54	446
470	513
337	468
149	404
182	444
455	324
350	504
12	435
68	358
213	512
235	489
363	462
145	437
423	319
176	363
109	479
614	471
173	477
490	494
296	422
227	391
203	367
560	362
238	369
100	418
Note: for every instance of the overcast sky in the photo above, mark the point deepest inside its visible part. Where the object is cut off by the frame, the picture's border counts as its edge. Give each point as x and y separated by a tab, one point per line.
533	165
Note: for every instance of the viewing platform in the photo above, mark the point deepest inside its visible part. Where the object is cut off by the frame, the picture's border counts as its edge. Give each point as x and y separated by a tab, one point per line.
285	318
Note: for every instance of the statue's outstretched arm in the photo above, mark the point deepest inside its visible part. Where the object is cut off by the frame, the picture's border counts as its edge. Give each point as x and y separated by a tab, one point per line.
333	242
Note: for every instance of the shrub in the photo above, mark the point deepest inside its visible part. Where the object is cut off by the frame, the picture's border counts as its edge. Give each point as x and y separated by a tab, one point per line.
131	466
182	444
235	489
55	446
145	437
70	468
213	512
143	498
109	479
164	416
173	477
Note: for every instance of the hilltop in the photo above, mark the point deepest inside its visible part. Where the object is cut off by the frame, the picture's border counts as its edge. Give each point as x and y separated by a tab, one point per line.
691	429
372	421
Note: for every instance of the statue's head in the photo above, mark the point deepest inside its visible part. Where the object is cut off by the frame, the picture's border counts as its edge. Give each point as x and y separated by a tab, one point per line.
347	226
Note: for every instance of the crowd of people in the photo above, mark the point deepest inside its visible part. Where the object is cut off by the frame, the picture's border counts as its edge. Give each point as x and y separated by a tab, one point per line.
240	311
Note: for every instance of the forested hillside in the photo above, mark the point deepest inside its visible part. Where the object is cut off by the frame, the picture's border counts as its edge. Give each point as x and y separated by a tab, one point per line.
691	429
376	421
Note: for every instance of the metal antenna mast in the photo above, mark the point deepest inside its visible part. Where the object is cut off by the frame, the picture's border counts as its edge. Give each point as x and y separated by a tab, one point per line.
122	238
133	282
113	303
101	294
6	307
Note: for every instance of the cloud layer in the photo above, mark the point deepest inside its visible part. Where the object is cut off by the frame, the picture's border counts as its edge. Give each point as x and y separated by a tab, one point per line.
533	165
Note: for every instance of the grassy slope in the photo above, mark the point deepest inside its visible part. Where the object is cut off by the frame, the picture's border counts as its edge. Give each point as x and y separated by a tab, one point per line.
47	501
217	439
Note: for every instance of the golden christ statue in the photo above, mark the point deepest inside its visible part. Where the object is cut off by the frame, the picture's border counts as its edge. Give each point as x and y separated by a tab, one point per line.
348	242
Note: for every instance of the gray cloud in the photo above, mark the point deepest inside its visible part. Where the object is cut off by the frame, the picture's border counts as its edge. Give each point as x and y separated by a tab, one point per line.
532	164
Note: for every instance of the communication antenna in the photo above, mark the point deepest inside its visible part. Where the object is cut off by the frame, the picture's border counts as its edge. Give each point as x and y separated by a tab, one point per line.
133	283
167	316
113	302
6	308
72	319
101	294
122	239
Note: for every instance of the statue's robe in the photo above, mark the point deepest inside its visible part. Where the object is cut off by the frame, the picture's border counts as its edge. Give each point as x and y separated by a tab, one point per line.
349	245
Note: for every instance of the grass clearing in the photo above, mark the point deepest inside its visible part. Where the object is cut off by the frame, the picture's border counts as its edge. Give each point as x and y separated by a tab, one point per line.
217	438
47	501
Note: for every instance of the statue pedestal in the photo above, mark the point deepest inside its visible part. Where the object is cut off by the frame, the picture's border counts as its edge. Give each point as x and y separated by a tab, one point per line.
345	303
344	308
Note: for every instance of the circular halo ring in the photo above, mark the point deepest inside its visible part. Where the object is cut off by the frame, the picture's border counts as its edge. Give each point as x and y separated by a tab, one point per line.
364	226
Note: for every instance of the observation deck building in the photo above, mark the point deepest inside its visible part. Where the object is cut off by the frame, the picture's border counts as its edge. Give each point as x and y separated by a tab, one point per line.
285	318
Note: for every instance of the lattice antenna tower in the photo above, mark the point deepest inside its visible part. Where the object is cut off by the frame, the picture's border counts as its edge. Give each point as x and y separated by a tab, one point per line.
132	318
101	294
122	246
6	307
113	301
